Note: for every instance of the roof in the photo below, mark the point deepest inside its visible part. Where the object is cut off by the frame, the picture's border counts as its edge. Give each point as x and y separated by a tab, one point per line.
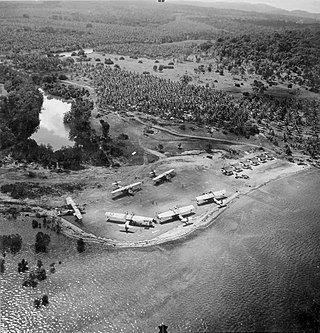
237	165
228	168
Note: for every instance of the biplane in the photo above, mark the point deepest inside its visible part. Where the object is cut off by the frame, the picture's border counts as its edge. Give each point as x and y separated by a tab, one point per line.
177	213
130	219
167	175
75	208
211	197
128	189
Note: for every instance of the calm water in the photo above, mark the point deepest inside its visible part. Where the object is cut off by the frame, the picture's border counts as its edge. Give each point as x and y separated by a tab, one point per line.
256	269
52	129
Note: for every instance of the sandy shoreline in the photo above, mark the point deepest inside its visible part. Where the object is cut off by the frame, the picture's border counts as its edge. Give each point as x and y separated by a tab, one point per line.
200	222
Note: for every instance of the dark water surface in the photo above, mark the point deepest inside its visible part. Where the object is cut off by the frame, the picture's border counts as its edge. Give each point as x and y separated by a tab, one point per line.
257	268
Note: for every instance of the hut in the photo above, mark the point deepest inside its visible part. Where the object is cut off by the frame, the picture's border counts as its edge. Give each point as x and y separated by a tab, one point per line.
246	165
254	161
227	170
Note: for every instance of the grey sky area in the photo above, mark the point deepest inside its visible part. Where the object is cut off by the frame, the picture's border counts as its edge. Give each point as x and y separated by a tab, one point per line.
308	5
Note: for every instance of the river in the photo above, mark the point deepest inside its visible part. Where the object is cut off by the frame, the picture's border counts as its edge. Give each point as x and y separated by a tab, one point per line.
257	268
52	129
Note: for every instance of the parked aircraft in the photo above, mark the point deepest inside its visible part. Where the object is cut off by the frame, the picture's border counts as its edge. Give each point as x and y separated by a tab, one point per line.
164	176
130	219
128	189
75	208
211	197
177	213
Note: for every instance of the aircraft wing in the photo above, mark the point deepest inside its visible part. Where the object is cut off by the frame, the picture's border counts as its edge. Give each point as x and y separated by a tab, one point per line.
220	194
116	217
70	201
142	219
126	188
77	213
176	211
185	210
167	215
205	196
163	174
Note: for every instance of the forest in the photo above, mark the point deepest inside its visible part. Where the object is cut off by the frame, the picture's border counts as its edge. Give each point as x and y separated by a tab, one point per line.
277	49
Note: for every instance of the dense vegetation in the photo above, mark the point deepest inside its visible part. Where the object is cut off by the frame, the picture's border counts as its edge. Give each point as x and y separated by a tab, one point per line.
10	243
19	110
275	48
290	55
31	190
171	100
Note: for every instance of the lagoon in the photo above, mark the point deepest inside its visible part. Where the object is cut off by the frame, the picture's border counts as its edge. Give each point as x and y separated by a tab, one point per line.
52	129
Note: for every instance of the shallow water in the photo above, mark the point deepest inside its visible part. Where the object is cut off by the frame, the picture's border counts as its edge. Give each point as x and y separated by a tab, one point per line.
257	268
52	129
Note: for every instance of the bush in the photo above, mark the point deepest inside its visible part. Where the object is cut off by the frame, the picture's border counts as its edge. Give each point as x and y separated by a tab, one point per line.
34	224
42	242
45	300
37	303
80	245
12	243
62	77
2	265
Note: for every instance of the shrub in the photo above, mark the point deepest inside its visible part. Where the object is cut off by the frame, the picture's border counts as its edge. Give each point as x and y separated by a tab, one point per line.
80	245
42	242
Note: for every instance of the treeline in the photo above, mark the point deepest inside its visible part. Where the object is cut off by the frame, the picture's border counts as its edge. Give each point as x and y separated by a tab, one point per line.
31	190
19	110
290	55
70	27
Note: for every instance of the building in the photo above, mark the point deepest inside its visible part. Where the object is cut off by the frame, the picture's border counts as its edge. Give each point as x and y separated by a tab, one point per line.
246	164
254	161
237	167
227	170
262	158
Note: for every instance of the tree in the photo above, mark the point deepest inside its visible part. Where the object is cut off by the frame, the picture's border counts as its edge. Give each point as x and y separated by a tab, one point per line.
45	300
80	245
185	79
11	243
42	242
34	224
41	274
160	147
288	151
37	303
2	268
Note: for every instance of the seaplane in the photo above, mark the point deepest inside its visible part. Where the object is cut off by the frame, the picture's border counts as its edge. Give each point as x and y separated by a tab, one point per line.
212	197
177	213
75	209
128	189
130	219
163	176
